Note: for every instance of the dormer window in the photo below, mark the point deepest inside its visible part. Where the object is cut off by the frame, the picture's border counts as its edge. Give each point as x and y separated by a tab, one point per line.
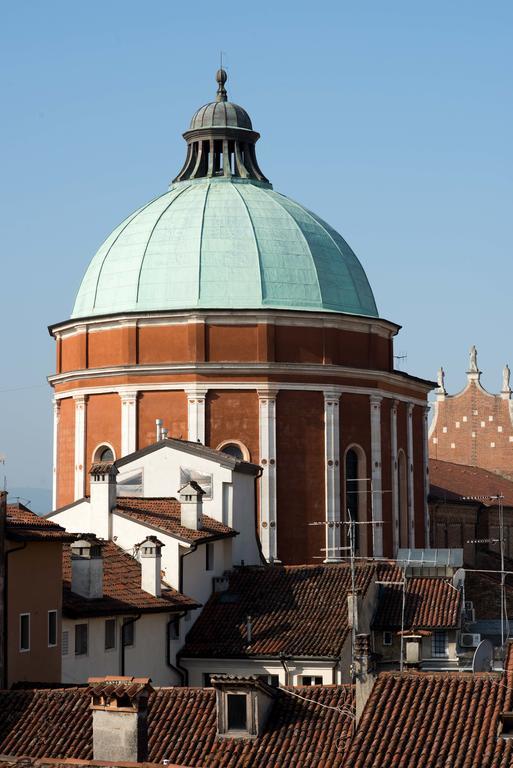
507	725
237	711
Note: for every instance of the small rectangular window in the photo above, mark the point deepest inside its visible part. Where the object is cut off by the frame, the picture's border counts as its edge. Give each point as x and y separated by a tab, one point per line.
65	643
273	680
237	712
439	644
24	631
387	638
128	631
110	634
206	680
52	629
311	680
81	633
209	556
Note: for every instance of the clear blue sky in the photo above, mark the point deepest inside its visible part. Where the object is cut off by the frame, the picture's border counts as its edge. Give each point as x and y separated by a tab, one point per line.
392	120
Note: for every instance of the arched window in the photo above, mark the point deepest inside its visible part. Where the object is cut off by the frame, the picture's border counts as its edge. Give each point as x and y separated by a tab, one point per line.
402	499
104	452
235	448
356	495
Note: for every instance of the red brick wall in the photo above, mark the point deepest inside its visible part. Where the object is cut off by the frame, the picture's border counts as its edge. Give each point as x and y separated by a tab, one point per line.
232	415
300	475
169	406
474	412
103	425
66	452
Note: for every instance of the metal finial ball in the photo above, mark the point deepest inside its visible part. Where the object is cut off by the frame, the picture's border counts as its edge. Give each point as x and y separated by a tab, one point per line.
221	76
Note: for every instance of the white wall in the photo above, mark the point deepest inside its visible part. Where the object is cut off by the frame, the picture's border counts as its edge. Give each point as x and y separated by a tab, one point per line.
197	668
147	657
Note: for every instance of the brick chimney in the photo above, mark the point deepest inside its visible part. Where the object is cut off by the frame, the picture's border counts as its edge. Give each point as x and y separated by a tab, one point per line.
191	503
364	672
151	565
87	567
243	705
103	497
120	728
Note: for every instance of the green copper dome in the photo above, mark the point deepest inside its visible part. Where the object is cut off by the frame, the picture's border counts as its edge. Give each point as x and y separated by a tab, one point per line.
221	238
224	244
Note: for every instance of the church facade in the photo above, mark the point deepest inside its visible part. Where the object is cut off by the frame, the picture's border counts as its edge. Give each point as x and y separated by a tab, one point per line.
226	313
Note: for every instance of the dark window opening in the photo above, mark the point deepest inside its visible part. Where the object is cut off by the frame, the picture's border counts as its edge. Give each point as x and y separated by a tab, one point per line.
128	632
110	634
106	454
352	492
237	713
52	628
209	556
25	632
80	639
232	449
387	638
311	680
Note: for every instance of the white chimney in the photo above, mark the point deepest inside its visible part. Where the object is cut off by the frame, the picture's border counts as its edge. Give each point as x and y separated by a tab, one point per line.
158	424
103	497
120	727
364	673
191	505
412	649
151	565
87	567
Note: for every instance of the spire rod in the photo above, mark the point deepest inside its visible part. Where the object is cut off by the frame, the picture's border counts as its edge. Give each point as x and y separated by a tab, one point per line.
221	78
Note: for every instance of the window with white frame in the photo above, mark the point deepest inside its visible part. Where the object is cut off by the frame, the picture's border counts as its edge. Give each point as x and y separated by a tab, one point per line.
24	632
52	629
439	644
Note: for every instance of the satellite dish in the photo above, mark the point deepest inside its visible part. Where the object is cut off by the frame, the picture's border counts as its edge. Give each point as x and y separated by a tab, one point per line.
458	579
483	657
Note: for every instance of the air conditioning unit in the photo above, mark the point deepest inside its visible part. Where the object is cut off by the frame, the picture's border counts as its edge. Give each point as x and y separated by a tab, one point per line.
469	640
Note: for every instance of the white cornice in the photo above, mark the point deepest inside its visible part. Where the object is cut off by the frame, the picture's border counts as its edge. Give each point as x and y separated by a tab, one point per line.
237	369
259	387
357	323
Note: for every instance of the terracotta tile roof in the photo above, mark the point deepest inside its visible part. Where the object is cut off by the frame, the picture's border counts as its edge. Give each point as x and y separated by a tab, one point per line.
122	591
119	687
297	610
483	589
164	515
429	603
182	728
451	482
433	720
24	525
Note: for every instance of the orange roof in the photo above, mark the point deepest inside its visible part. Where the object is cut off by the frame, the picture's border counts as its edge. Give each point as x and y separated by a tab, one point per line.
429	603
22	524
164	515
453	482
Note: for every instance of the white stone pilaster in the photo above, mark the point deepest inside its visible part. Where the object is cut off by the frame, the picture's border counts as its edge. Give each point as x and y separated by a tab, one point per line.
128	421
56	418
375	494
80	445
267	442
196	413
409	461
332	473
425	462
395	477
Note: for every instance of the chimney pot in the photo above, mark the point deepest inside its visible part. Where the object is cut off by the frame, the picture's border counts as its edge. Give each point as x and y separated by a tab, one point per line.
191	505
87	567
120	729
151	565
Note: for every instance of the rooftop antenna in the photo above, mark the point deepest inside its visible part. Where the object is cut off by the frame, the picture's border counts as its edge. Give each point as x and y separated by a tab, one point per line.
500	498
399	358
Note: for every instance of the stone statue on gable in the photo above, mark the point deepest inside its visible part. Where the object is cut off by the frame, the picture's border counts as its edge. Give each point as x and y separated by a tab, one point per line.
441	381
506	374
473	360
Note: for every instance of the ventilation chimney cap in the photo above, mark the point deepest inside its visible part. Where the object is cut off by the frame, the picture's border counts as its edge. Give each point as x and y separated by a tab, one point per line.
87	546
150	547
191	491
119	692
